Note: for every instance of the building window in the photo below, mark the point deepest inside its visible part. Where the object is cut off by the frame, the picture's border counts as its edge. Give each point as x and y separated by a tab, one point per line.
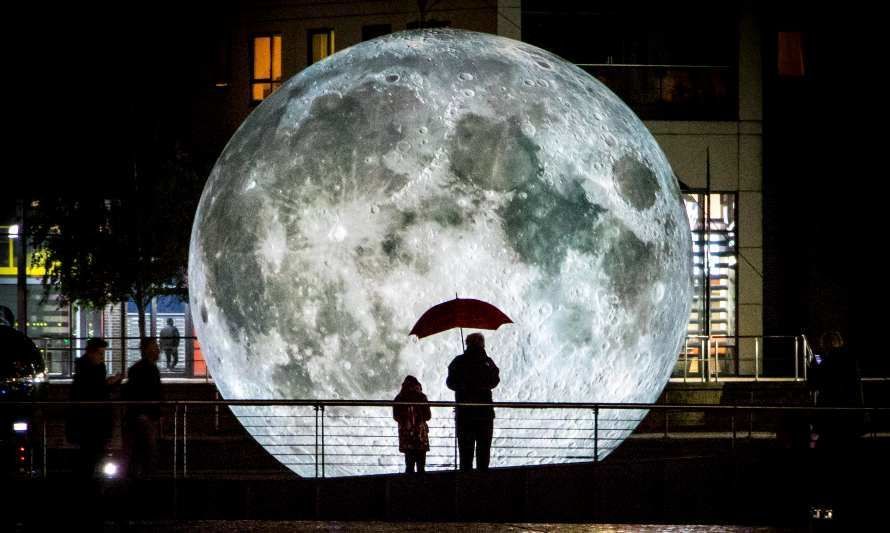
8	236
372	31
791	54
674	62
266	66
321	44
712	219
221	68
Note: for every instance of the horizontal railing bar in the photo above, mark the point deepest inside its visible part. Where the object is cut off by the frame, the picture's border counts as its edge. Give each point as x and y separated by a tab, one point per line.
495	405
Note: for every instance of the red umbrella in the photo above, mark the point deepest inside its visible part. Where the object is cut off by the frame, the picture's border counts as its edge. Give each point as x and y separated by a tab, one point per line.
459	313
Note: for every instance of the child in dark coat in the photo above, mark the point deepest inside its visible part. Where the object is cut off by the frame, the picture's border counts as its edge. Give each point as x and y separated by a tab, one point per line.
414	434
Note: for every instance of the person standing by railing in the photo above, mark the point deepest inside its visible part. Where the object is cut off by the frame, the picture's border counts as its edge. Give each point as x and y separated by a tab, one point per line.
472	375
414	434
142	423
837	382
90	427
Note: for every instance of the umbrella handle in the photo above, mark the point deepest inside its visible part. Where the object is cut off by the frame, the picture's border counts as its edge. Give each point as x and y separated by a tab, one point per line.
463	347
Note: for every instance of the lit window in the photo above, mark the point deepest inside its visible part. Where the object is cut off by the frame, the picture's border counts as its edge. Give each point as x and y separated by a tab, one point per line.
266	66
321	44
714	253
791	57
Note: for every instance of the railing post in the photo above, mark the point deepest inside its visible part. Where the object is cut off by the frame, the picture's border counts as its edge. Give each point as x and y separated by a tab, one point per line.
751	418
71	359
716	359
175	437
806	353
756	358
796	360
455	438
596	434
216	411
185	442
732	444
43	438
685	358
175	460
72	349
322	439
315	408
701	359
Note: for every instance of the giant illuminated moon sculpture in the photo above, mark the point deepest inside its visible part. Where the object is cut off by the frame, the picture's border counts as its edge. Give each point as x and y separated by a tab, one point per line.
403	170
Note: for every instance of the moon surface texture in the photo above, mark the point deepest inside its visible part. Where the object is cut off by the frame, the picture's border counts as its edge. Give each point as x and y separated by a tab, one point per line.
399	172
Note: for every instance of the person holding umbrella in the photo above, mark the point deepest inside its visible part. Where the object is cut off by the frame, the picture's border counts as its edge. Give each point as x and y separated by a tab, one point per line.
472	375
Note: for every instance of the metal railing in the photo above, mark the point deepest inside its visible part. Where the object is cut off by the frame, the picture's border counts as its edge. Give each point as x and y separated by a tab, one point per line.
754	357
702	359
60	354
319	438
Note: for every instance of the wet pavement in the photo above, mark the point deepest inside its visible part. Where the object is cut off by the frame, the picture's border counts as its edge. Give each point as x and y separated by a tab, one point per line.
388	527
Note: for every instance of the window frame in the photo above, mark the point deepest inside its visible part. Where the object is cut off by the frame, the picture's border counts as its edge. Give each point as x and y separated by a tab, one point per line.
252	63
310	33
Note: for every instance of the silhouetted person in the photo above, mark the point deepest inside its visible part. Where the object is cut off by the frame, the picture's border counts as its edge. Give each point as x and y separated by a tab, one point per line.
90	427
170	344
414	434
22	379
471	376
141	425
19	357
837	382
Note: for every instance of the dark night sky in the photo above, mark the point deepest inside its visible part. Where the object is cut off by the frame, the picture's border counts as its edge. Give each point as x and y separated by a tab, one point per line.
101	79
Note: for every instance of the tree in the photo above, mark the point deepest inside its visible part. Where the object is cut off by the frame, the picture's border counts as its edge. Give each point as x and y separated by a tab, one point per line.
98	251
124	163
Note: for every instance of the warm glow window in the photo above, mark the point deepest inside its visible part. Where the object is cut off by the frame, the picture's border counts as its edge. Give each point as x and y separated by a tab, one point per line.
321	44
265	66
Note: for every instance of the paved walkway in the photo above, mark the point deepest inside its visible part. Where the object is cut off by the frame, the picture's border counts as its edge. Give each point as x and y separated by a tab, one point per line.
388	527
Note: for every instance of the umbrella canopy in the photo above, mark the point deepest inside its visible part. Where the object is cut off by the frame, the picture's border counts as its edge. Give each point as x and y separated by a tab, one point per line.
459	313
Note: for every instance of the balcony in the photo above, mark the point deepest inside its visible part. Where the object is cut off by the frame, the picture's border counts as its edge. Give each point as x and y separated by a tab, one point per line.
672	92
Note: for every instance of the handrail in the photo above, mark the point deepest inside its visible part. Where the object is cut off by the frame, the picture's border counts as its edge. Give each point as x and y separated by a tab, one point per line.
112	337
117	337
711	355
496	405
